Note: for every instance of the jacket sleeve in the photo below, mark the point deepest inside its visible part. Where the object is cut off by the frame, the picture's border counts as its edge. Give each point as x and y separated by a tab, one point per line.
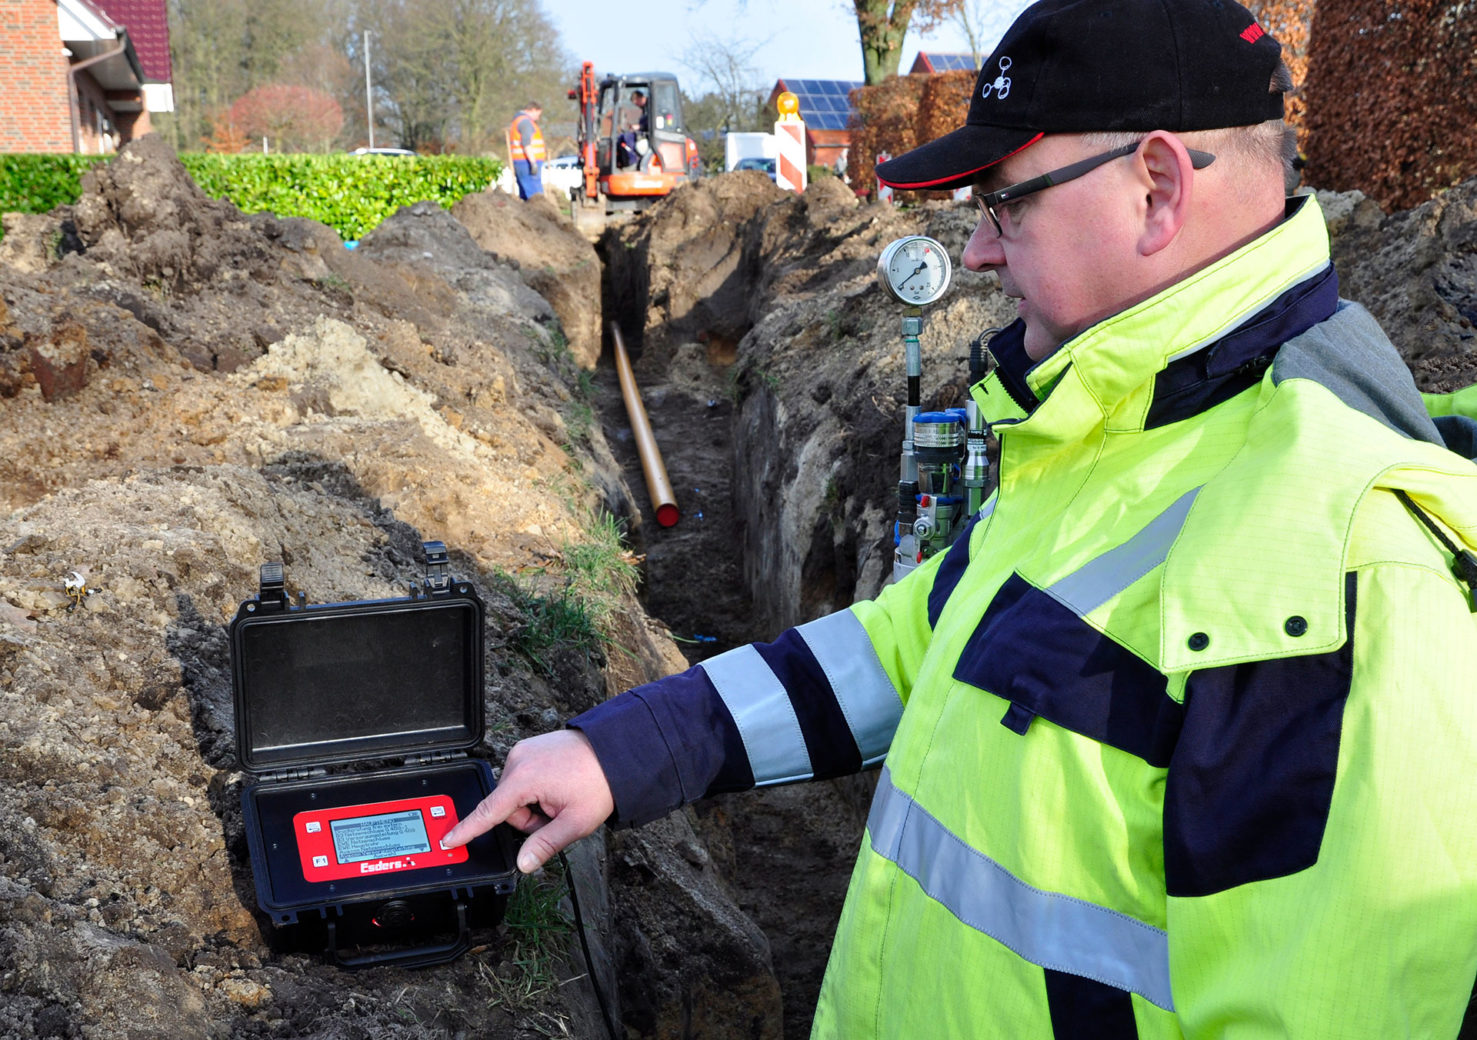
820	701
1321	828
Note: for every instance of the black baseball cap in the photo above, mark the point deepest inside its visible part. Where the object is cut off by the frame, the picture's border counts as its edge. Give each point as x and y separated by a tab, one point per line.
1079	66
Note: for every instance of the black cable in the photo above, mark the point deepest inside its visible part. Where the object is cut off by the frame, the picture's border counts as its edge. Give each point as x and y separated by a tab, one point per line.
579	926
1463	563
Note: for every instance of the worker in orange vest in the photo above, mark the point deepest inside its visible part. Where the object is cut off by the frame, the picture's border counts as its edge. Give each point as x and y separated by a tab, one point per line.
526	149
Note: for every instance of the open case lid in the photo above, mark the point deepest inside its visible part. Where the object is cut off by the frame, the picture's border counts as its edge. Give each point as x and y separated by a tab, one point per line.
321	685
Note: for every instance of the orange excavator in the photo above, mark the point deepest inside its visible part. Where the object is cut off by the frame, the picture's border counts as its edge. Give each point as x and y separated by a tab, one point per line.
632	153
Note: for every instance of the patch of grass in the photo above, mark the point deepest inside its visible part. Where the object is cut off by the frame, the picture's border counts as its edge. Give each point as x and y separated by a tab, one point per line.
334	283
537	935
561	619
551	347
579	420
746	376
568	609
601	565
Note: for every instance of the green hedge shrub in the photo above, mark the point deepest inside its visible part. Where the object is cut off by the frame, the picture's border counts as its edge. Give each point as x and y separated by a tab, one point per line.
40	183
349	193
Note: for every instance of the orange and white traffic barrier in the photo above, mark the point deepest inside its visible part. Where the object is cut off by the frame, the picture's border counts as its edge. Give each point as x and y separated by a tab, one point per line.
789	136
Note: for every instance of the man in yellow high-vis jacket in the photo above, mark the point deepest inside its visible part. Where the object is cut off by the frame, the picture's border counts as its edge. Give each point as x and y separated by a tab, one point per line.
1179	739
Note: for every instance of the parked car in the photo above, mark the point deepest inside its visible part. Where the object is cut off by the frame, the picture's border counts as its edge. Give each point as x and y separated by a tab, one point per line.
564	174
382	151
755	163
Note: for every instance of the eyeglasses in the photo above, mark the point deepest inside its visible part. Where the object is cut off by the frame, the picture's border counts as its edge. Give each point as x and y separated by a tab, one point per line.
989	202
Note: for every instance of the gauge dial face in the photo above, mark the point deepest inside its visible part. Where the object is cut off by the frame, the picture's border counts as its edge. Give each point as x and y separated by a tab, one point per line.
914	270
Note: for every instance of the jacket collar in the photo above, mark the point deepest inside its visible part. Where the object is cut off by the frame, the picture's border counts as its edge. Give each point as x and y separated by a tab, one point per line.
1208	325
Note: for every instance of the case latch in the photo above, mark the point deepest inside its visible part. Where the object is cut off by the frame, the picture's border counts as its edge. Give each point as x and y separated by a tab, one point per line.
438	573
272	594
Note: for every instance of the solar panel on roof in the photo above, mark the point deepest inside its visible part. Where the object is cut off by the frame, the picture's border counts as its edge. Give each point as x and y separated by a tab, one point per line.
825	104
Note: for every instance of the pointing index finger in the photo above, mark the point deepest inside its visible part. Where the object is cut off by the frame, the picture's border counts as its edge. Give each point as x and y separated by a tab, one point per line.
491	811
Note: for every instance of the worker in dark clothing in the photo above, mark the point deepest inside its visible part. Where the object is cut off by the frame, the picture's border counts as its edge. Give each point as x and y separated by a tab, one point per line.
633	126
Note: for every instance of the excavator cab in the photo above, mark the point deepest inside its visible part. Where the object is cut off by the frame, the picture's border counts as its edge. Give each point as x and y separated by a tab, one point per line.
635	150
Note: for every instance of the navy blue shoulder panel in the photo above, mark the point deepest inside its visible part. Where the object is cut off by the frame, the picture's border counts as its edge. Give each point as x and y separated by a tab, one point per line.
1217	373
1251	780
828	737
946	578
1049	663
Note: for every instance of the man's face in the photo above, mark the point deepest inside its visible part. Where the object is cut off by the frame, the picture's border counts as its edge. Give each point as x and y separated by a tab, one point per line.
1062	254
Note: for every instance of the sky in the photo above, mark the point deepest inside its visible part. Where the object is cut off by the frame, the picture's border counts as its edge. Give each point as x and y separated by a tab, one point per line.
796	39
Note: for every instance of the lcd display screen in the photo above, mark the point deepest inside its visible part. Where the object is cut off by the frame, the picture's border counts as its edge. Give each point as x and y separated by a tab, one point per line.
380	837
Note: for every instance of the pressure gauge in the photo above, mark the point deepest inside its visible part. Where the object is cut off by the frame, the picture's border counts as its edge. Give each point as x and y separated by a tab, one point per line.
914	270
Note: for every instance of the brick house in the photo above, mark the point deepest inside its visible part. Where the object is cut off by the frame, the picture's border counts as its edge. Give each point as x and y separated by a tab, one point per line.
81	75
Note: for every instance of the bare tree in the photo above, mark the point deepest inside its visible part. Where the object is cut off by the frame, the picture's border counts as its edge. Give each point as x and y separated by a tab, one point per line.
453	73
726	69
983	22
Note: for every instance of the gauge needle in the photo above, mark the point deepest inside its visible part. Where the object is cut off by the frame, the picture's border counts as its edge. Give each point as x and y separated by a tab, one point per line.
921	265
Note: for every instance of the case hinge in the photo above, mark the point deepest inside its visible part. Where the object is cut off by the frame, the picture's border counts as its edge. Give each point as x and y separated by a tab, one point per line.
293	774
431	758
438	573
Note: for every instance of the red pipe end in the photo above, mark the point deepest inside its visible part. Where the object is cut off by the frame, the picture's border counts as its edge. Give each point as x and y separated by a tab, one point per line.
667	515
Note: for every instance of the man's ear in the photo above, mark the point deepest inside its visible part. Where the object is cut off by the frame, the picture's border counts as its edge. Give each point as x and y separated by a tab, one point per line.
1167	178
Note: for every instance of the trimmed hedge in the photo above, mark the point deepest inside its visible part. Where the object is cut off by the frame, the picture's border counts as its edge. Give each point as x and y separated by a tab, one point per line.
40	183
349	193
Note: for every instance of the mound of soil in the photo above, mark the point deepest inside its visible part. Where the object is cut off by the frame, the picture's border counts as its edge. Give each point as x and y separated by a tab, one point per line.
189	393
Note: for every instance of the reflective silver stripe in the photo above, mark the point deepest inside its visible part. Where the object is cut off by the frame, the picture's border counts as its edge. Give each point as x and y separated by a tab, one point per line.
765	717
989	505
1099	580
1046	928
866	695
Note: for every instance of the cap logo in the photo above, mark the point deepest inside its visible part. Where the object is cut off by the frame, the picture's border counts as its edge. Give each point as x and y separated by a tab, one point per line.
1000	86
1252	33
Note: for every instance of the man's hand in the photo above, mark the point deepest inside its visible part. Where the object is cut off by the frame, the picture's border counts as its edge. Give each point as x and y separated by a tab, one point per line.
552	789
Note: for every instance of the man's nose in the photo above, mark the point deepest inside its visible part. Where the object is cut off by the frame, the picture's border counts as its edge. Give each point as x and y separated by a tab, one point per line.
983	250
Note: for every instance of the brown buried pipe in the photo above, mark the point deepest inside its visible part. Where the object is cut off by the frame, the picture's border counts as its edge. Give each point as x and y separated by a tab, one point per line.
657	484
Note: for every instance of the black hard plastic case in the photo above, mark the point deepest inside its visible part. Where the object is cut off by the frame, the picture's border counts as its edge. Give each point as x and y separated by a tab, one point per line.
353	704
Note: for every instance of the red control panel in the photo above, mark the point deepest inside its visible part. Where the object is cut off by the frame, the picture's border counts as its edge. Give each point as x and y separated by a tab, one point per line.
378	838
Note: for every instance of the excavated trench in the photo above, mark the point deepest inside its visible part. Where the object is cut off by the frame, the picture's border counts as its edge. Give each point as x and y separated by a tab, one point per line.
786	853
